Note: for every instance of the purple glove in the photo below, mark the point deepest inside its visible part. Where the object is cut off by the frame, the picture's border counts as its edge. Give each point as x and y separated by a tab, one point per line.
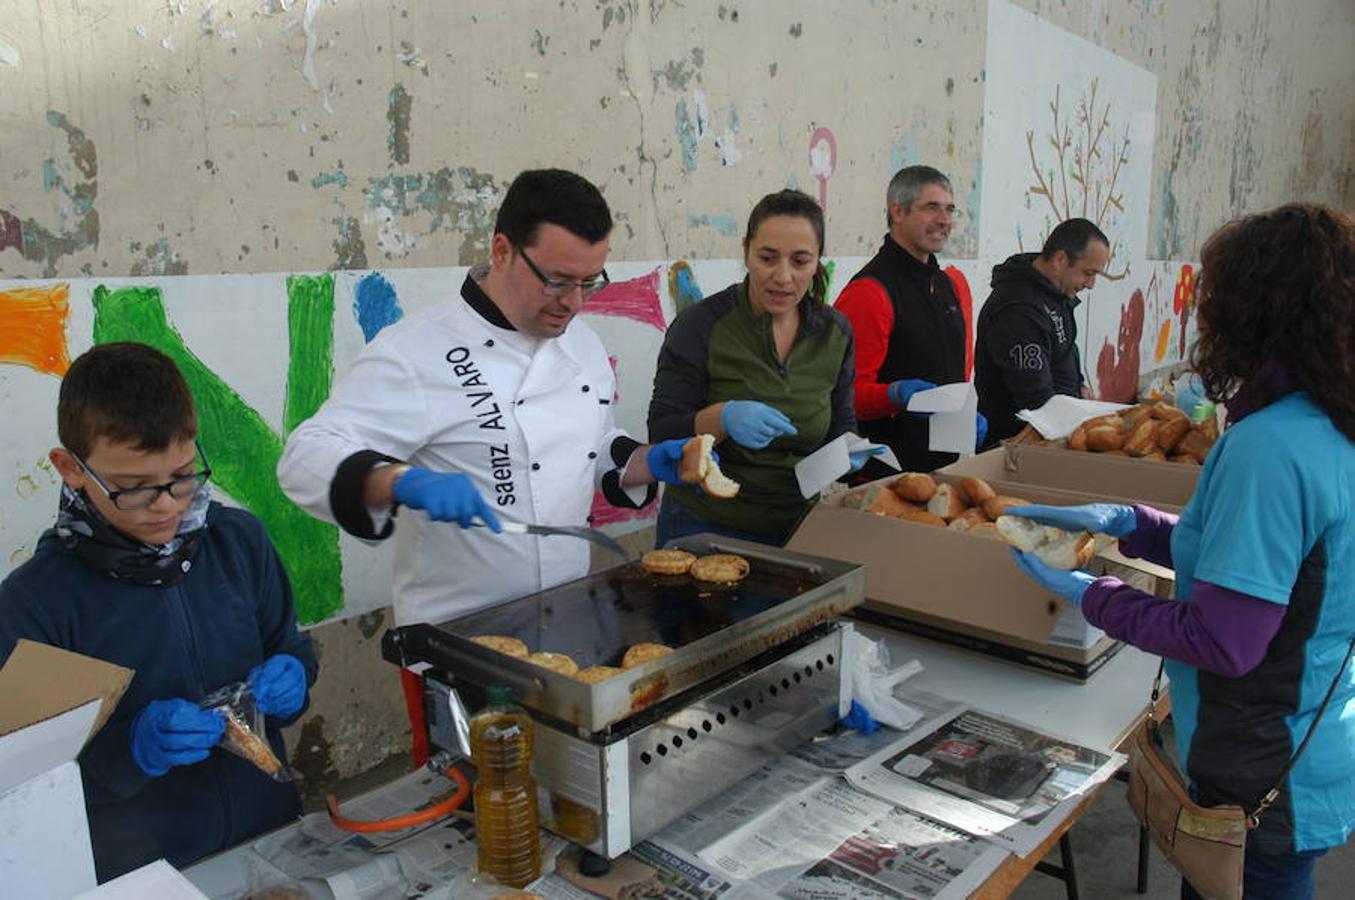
446	497
279	685
170	733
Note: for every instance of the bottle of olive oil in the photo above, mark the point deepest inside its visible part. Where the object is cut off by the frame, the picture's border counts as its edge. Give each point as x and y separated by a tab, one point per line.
506	817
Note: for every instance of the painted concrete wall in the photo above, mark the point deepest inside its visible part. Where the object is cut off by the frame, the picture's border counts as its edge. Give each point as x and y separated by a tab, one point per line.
168	138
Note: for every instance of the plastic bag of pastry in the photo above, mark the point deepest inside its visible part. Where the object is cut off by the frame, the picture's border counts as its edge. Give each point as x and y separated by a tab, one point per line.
245	735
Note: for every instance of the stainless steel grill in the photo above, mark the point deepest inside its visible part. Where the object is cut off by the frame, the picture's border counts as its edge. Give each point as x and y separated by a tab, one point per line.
755	669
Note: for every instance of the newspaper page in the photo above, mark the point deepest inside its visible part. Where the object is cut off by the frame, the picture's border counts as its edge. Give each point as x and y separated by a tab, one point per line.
986	775
900	855
812	846
681	876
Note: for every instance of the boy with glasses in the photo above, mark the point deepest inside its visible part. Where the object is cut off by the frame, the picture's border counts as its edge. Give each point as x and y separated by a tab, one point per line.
144	571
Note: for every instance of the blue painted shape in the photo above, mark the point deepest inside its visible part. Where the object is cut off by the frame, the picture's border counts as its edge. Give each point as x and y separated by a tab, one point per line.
723	224
686	134
686	290
904	153
375	305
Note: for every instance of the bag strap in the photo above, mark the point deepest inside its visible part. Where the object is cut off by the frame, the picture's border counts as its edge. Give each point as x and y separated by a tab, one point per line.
1273	794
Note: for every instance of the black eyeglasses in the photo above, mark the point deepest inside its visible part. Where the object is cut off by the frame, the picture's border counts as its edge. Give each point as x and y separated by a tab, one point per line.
559	287
144	496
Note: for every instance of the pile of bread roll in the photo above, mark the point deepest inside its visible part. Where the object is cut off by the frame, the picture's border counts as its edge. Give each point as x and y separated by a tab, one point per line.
972	506
967	504
1157	431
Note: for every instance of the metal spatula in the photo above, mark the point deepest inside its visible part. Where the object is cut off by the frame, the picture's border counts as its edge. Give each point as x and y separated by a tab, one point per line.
588	534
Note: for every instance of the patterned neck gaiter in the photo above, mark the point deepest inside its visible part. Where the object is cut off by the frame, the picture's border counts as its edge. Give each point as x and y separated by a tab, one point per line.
98	544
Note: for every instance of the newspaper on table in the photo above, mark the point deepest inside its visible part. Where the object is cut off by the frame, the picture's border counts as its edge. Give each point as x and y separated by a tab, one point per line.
410	862
986	775
796	829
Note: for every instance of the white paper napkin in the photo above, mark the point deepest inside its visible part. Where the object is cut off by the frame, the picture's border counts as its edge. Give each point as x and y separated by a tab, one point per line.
1061	414
951	427
833	460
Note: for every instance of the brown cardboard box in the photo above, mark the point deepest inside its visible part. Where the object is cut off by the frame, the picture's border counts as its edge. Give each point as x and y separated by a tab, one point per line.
964	588
51	702
1116	478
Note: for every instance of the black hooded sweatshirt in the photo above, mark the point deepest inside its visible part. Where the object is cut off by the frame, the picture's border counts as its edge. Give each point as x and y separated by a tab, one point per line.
1026	346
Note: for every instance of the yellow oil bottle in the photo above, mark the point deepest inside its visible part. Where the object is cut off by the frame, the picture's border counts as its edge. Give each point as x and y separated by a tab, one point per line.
506	816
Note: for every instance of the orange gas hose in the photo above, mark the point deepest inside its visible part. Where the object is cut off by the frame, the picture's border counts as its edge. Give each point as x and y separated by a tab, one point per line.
395	823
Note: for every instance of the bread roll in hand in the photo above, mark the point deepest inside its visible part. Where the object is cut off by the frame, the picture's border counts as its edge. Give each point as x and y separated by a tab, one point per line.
700	468
1055	547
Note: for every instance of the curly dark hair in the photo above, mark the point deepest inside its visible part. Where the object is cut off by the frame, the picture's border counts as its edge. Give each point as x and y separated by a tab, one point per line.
1278	288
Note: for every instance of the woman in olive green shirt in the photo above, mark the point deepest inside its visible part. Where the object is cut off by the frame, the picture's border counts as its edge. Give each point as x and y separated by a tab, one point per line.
766	366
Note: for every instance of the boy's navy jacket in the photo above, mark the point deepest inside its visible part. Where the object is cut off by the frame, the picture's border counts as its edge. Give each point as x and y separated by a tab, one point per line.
230	612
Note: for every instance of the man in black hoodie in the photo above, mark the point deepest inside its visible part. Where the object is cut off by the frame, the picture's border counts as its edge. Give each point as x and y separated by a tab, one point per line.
1026	350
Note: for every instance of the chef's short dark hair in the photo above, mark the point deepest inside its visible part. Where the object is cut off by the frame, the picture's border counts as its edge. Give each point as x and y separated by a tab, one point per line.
557	197
1072	237
126	393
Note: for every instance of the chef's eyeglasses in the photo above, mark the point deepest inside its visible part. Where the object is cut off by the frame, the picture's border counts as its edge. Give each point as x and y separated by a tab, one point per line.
143	496
559	287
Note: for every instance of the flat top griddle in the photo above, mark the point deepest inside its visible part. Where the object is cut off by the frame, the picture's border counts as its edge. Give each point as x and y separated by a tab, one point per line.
711	628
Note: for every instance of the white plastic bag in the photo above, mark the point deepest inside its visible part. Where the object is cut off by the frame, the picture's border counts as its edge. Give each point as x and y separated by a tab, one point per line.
873	681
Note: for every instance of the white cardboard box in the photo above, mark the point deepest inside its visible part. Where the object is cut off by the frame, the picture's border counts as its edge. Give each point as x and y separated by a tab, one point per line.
51	702
158	879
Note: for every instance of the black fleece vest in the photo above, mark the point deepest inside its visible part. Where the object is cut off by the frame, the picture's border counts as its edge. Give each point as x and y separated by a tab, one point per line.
927	341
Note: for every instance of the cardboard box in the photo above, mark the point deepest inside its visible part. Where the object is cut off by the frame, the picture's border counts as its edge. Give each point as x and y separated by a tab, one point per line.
1116	478
53	702
964	588
158	879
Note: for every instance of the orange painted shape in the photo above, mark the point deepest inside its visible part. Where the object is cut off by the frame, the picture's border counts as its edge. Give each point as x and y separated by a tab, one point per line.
33	328
1164	335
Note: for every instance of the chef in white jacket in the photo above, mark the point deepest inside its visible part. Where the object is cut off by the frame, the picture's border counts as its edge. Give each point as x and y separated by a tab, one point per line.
495	404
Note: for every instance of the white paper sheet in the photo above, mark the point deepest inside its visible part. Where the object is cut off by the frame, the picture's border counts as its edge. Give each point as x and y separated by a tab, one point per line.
951	425
833	460
1061	414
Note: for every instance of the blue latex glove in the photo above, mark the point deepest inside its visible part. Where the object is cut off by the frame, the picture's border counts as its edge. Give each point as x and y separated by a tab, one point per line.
980	429
900	392
446	497
1098	518
664	458
859	719
753	424
858	459
170	733
1070	584
279	685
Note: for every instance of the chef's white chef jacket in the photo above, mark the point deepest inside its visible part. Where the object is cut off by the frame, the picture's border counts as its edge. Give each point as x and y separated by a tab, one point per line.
529	420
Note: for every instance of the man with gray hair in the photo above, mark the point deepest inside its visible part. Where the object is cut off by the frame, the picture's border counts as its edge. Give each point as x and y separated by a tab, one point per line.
910	327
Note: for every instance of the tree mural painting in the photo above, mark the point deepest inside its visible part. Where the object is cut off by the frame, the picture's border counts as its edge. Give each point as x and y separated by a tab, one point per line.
243	448
1082	179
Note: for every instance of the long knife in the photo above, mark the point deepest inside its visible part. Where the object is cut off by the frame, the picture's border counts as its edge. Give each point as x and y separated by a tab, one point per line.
588	534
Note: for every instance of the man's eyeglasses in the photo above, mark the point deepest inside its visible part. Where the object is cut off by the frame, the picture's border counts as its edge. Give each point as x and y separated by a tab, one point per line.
144	496
559	287
936	209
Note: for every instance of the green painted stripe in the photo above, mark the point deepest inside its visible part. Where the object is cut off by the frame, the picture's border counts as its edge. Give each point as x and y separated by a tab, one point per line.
310	325
243	449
